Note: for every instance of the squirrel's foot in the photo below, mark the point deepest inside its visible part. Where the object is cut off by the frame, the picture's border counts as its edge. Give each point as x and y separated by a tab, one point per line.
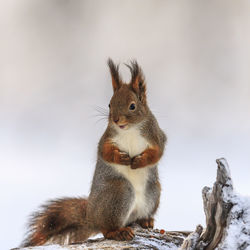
146	223
125	233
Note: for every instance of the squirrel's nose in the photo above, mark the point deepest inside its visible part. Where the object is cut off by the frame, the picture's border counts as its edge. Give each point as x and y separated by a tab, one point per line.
116	119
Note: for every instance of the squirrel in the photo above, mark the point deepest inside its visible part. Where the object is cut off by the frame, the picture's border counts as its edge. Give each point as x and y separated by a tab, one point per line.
125	187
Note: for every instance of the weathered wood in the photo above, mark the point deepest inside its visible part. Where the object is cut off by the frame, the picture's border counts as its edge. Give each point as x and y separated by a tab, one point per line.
223	211
145	239
216	207
192	239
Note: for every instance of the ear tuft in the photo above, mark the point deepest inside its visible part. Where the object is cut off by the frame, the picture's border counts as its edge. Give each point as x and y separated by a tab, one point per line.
137	82
114	71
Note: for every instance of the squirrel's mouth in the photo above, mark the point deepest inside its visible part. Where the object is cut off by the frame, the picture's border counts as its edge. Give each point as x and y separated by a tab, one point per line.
123	126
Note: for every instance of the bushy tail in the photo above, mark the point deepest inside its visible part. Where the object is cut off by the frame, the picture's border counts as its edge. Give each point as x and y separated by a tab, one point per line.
59	221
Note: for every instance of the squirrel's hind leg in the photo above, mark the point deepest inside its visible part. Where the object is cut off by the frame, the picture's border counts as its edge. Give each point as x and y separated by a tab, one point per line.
125	233
146	223
110	207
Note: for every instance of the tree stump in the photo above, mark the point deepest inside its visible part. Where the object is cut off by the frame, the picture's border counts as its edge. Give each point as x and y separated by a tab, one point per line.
227	216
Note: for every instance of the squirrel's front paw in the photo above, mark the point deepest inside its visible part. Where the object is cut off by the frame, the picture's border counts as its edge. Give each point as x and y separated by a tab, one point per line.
138	162
123	158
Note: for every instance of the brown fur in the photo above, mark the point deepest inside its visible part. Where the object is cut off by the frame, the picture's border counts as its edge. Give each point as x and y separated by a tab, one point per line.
112	154
112	195
138	81
149	157
125	233
116	80
56	217
146	223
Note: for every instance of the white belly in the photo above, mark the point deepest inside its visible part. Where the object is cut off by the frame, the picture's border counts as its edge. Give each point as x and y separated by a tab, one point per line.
131	142
140	207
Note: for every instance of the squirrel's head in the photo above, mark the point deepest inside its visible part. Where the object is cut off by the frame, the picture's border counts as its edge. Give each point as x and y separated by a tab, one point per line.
128	105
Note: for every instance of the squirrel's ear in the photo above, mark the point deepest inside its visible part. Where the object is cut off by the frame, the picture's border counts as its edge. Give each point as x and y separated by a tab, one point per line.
137	81
114	71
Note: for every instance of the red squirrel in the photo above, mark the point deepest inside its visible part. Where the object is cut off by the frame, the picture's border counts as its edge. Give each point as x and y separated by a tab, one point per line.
125	187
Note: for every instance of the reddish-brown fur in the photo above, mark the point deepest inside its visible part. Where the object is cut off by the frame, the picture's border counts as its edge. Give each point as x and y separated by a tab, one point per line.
57	217
112	154
146	223
149	157
125	233
38	239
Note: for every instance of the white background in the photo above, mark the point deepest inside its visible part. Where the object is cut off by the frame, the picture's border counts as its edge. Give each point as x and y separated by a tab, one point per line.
53	74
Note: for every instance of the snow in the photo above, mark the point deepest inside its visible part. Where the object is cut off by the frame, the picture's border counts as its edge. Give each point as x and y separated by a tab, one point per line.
139	242
238	232
50	247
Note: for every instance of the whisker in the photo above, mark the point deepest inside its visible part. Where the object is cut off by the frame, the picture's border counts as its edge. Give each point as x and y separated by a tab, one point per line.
100	113
101	119
101	110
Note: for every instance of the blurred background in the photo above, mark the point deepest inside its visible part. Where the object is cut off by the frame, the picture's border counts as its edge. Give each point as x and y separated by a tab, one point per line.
53	77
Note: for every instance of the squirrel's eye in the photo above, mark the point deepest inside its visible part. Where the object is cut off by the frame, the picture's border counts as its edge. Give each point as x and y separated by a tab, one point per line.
132	106
109	105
